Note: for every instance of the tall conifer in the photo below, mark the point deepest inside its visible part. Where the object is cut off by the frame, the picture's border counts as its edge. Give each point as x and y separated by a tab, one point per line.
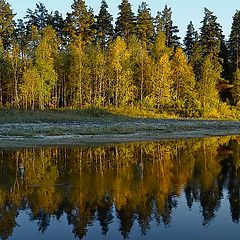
164	23
6	23
190	39
125	24
104	25
145	28
234	42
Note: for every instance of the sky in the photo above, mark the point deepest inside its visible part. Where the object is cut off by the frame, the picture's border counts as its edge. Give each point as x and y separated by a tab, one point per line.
184	11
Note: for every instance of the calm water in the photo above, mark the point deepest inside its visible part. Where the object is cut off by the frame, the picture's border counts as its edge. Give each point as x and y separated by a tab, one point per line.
163	190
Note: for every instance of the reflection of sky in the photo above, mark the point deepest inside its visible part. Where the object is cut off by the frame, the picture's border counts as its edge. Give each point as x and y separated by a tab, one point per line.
185	224
183	10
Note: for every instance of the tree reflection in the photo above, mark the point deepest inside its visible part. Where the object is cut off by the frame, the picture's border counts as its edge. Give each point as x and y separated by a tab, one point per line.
133	183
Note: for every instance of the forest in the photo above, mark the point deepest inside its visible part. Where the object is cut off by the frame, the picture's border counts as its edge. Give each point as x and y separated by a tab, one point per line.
84	59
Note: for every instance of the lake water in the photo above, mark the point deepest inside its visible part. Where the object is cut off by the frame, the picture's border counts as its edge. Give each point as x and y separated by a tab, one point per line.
164	190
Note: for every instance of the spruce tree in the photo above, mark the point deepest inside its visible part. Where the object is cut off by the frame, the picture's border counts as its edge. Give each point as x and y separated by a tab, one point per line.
213	45
145	27
234	42
196	59
210	35
104	25
164	24
190	40
125	24
6	23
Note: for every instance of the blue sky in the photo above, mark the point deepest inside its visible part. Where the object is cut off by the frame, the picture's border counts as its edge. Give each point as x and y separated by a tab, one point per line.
183	10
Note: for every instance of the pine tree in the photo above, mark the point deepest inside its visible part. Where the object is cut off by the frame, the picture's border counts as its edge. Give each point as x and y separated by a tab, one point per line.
20	34
57	22
145	28
6	23
234	42
164	24
125	24
38	18
104	25
80	22
190	40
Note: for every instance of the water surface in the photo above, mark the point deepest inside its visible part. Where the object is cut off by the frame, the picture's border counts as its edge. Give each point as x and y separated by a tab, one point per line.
164	190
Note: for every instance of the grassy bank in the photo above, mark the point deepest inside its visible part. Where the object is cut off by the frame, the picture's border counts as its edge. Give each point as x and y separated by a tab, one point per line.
115	114
72	115
35	116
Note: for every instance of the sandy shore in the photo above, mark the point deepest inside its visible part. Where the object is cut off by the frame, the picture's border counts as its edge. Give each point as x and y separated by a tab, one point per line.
99	132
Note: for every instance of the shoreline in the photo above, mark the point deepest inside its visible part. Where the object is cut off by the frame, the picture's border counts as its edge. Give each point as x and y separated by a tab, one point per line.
100	131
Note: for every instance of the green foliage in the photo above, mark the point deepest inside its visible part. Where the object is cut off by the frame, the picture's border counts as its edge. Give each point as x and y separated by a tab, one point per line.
6	23
76	85
145	28
125	22
161	82
38	18
183	81
207	86
234	42
80	22
190	40
165	24
45	54
211	34
79	61
236	87
104	25
121	73
30	88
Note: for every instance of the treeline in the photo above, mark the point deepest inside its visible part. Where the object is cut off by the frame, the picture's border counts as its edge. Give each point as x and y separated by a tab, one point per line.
47	61
119	183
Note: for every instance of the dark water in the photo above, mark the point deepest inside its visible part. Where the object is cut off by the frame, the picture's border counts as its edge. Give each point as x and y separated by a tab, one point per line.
166	190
